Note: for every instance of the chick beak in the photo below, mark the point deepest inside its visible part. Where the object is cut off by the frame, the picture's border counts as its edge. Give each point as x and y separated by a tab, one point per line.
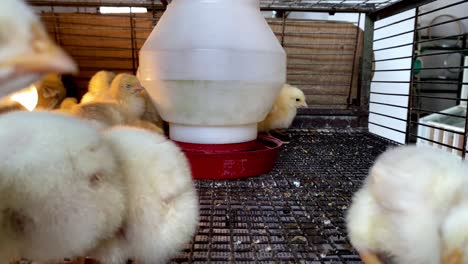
455	257
46	56
139	89
304	105
369	258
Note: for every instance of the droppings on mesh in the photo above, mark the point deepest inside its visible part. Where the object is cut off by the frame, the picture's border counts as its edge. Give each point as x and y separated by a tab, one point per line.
295	212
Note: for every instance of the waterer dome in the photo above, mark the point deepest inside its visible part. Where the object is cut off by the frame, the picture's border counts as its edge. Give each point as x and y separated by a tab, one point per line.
213	69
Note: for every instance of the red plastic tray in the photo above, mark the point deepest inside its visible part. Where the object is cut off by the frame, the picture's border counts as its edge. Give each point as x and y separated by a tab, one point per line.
218	148
214	162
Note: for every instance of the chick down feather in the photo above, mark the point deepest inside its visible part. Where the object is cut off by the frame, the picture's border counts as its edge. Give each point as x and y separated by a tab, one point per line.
403	203
284	109
163	206
60	187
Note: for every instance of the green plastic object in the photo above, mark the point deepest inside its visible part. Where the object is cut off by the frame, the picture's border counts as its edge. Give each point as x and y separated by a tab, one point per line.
417	65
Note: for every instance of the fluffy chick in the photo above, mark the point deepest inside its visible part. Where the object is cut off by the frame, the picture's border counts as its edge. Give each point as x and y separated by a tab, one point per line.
402	204
50	91
284	109
151	114
163	206
455	227
10	107
98	87
108	114
26	51
455	234
60	187
68	103
128	92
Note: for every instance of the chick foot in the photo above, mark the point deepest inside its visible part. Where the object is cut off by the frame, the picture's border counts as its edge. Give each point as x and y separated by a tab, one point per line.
281	135
369	258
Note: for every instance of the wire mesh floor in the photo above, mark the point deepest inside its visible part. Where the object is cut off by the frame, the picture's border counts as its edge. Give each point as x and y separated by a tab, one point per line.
295	213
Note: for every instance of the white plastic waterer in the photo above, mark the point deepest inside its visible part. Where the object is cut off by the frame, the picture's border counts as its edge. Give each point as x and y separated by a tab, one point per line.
213	69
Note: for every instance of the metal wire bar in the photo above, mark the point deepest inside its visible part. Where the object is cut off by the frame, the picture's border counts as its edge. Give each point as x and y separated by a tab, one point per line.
441	81
436	142
442	38
422	14
439	113
465	138
387	104
424	96
397	8
283	27
426	68
354	61
133	43
462	62
421	28
320	54
387	127
424	55
389	116
440	128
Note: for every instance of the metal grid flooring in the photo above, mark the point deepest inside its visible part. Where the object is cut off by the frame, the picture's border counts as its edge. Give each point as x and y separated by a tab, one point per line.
295	213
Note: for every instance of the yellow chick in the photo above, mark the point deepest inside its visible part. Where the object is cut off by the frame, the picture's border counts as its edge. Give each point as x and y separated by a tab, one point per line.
50	91
68	103
10	107
162	213
284	109
26	51
151	114
98	87
108	114
404	202
455	234
128	92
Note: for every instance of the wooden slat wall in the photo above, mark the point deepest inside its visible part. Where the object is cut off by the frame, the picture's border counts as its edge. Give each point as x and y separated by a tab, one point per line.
320	53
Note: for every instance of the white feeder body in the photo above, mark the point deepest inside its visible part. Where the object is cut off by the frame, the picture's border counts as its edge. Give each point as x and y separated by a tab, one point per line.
213	69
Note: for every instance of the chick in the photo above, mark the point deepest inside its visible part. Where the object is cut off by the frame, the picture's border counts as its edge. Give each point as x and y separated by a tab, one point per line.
402	204
10	107
455	228
151	114
163	206
51	91
26	51
98	87
284	109
107	114
25	99
60	187
68	103
455	233
128	92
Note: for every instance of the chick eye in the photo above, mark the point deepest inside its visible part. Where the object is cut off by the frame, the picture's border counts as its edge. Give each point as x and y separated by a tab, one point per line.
128	86
298	100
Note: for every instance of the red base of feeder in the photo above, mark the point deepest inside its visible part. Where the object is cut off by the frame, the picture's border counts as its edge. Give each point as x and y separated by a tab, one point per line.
232	161
218	148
